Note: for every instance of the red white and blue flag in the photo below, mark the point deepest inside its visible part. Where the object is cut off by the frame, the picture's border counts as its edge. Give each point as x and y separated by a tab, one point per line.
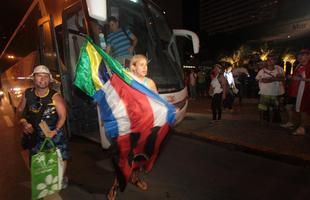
136	120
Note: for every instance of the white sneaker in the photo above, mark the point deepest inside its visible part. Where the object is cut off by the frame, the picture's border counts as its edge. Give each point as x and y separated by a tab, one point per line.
287	125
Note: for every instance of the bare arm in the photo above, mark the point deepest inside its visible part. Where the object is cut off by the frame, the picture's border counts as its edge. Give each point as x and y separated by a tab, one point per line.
108	49
299	78
61	112
21	106
152	85
134	43
267	80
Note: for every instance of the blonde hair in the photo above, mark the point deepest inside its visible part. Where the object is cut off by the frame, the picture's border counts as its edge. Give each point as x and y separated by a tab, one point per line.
135	59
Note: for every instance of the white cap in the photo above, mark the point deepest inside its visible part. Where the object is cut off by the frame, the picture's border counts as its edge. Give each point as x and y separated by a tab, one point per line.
41	69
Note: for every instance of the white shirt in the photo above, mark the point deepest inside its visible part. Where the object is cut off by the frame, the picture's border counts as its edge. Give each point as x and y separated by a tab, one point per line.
274	88
230	78
217	88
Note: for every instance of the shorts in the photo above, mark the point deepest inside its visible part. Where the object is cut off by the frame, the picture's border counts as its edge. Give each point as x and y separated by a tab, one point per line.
267	102
60	141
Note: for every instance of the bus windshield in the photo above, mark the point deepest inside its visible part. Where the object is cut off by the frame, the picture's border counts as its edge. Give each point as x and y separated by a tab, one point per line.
155	40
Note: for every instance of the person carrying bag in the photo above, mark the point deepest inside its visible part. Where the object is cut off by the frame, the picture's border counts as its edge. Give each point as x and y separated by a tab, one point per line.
43	118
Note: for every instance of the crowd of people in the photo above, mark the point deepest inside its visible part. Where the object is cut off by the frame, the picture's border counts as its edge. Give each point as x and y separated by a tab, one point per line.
277	91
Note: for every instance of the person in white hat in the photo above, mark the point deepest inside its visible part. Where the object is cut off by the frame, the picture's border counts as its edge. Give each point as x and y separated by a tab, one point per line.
43	103
42	69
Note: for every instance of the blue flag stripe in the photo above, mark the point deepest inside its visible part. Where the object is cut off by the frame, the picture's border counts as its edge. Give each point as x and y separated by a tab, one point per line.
110	123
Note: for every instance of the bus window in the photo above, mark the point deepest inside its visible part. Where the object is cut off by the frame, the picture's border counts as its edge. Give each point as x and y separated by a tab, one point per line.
155	40
74	26
49	57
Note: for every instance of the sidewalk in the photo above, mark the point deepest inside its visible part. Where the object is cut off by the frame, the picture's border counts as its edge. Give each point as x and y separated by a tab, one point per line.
242	130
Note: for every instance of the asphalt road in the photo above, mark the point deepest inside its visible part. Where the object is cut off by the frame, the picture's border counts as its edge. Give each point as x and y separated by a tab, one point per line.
190	169
14	176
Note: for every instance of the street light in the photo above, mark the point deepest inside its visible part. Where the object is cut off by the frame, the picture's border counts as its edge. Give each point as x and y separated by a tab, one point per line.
233	60
11	57
288	58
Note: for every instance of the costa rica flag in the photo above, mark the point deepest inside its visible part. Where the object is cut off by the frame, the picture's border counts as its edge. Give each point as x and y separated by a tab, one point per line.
136	120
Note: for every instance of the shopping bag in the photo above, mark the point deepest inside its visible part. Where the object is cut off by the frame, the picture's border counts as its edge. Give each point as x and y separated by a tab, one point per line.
61	168
45	171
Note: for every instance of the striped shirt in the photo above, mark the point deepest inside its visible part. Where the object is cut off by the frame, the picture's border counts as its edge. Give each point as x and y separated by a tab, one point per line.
119	42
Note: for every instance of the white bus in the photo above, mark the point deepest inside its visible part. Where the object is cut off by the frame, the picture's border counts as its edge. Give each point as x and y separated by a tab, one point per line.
51	33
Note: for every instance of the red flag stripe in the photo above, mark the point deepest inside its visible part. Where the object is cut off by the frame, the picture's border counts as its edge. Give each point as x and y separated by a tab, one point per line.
139	110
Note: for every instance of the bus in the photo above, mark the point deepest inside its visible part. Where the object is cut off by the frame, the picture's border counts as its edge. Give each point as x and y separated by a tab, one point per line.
52	32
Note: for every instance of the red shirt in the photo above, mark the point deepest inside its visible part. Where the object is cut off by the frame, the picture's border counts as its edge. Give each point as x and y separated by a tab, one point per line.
305	105
294	85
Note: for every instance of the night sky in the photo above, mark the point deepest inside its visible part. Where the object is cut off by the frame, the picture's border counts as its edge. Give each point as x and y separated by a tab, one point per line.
15	10
10	18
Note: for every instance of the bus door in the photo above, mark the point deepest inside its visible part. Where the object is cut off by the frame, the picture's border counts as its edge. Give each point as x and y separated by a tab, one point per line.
82	112
49	55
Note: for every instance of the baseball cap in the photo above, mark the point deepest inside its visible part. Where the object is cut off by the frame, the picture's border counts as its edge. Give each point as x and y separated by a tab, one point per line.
41	69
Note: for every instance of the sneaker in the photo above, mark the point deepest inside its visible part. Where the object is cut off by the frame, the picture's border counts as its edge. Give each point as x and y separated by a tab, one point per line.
287	125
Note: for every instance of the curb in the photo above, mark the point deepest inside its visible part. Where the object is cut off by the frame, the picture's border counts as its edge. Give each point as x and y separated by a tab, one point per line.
304	160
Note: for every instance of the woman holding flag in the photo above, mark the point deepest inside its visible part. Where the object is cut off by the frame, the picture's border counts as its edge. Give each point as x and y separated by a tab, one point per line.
138	70
136	119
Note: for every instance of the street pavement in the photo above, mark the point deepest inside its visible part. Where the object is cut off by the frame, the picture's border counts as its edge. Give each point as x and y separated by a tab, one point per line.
190	166
241	129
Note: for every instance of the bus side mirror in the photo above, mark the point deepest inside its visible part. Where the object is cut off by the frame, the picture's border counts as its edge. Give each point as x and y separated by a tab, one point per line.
190	35
97	9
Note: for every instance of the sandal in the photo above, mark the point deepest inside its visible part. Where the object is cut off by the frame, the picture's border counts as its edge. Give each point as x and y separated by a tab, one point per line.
113	192
139	183
299	131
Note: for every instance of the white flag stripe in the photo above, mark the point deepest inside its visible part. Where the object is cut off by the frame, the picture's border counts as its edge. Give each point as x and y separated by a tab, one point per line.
160	116
118	109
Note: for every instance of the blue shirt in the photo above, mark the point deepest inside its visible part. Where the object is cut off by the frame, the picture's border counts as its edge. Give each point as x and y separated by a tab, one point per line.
119	42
